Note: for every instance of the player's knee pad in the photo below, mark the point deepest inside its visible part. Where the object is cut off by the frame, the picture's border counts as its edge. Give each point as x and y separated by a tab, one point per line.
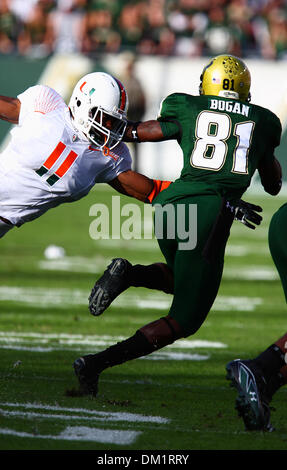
162	332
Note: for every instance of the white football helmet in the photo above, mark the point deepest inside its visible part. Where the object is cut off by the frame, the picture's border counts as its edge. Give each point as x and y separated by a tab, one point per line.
99	105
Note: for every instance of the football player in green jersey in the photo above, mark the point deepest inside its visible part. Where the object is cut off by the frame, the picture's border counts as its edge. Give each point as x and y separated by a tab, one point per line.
277	245
258	379
224	139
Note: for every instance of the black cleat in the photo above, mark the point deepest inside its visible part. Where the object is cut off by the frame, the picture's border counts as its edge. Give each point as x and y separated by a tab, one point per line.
109	286
251	404
88	382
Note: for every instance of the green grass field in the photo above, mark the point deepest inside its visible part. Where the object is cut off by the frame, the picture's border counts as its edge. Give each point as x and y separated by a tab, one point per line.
177	398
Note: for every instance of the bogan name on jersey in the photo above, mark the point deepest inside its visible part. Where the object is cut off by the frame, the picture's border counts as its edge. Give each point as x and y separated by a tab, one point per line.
230	106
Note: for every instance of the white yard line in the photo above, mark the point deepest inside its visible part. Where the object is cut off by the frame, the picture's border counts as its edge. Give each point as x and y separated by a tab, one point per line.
78	413
157	356
82	433
147	299
98	264
103	339
11	337
45	343
39	411
252	273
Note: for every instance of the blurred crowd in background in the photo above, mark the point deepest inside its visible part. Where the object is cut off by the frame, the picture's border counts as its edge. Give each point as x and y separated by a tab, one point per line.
186	28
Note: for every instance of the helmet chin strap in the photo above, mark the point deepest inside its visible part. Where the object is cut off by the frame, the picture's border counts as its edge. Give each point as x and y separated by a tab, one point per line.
105	147
77	130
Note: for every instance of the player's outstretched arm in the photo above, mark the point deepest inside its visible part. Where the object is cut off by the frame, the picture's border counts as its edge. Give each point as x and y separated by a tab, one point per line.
148	131
9	109
271	176
131	183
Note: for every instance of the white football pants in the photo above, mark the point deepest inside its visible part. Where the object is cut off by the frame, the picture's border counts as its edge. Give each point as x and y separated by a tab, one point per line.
4	228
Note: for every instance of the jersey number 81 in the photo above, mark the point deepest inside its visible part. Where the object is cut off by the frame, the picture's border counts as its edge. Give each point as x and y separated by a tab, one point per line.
210	150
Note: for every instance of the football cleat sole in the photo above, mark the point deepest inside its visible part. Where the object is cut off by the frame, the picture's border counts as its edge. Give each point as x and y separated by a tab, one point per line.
109	286
250	403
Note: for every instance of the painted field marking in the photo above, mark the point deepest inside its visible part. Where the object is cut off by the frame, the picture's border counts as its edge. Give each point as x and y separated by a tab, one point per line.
82	433
32	411
41	342
99	340
254	273
75	264
80	412
64	297
156	356
97	265
245	250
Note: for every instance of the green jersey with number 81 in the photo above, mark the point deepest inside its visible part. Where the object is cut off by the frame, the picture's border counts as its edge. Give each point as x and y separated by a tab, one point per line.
223	141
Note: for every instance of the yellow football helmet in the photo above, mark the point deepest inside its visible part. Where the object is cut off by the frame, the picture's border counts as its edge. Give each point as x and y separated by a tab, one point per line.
227	76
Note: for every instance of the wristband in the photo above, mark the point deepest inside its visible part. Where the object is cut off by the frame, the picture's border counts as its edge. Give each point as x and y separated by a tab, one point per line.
134	132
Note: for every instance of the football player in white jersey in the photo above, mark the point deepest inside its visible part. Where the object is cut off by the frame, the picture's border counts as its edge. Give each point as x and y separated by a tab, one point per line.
58	152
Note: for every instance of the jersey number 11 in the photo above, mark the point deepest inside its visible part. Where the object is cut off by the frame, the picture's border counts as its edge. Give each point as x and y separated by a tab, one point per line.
51	160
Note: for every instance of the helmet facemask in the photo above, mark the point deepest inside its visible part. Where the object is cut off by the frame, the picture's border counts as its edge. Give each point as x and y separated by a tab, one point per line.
105	129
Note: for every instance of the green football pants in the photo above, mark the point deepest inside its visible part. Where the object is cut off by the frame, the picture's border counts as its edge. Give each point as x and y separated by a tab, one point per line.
278	245
197	271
